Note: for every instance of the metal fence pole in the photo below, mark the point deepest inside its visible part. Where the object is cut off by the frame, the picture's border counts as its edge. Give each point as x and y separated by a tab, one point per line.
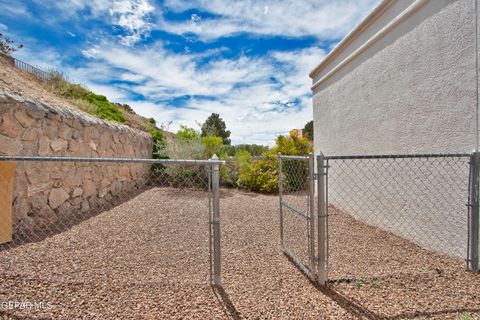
280	192
311	204
473	214
216	222
322	222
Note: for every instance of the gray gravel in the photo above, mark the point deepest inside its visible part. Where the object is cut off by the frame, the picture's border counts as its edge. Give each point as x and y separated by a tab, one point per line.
147	259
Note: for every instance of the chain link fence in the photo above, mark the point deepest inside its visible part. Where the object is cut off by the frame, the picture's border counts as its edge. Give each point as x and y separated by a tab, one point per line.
384	212
379	216
42	197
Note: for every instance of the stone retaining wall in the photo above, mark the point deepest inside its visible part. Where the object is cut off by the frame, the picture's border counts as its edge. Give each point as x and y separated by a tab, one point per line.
49	193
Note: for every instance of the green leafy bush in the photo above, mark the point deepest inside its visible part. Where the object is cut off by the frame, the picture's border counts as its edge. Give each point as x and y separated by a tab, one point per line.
187	133
259	175
159	144
253	149
212	145
292	145
105	109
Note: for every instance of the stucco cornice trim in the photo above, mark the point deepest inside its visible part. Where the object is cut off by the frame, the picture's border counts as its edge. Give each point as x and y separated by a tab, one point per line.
414	7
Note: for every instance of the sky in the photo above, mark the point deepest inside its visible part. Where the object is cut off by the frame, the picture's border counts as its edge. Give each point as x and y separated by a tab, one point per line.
179	61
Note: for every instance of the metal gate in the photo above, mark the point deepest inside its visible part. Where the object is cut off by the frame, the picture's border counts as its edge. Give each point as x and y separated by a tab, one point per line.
358	193
296	183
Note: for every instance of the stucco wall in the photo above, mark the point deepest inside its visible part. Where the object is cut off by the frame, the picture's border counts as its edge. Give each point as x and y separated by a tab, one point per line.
412	91
47	194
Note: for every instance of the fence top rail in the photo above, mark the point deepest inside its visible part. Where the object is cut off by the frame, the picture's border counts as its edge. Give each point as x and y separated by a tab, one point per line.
399	156
293	157
113	160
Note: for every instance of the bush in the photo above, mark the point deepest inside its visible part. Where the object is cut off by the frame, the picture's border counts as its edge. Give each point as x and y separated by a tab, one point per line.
253	149
292	145
159	144
212	145
261	175
258	175
105	109
187	133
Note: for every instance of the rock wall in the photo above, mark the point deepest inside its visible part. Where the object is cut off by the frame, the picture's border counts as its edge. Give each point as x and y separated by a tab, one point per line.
50	195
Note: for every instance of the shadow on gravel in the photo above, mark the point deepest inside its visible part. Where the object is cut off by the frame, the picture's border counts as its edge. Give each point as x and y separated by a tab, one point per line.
68	221
348	304
224	300
355	307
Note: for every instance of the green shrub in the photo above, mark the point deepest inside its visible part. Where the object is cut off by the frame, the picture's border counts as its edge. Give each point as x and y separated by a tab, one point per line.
76	91
159	144
187	133
292	145
258	175
105	109
212	145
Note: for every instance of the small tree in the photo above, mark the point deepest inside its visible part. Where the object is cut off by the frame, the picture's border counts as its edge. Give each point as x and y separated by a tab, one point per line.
214	126
308	130
186	133
7	45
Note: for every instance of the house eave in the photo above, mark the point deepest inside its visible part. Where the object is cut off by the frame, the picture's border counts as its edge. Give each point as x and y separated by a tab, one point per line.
352	35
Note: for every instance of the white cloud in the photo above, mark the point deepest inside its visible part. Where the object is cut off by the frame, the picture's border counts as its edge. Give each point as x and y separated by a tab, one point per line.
258	97
131	16
254	107
14	8
321	19
3	27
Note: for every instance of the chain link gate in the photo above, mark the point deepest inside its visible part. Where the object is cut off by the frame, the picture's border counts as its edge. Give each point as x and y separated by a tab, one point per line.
418	201
296	184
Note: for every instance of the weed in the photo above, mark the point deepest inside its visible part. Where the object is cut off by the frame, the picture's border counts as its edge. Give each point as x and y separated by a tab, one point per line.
358	284
465	316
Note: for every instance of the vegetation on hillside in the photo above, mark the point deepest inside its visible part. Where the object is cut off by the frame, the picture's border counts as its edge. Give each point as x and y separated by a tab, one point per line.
100	106
85	99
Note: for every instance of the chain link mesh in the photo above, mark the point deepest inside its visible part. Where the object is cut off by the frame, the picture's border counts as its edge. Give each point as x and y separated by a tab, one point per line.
391	204
51	197
296	210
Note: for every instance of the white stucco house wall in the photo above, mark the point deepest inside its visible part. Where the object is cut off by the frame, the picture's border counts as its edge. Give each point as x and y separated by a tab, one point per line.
403	81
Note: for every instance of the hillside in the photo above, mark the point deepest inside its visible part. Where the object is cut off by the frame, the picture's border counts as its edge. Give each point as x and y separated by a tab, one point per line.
25	84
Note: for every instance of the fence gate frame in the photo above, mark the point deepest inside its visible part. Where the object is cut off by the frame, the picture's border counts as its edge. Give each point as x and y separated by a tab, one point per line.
310	269
322	216
473	204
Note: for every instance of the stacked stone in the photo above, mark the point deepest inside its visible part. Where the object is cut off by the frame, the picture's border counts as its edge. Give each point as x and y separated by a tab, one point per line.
47	192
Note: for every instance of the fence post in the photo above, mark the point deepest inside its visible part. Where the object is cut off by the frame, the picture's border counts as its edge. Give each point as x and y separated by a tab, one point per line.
322	222
311	178
216	222
280	192
474	216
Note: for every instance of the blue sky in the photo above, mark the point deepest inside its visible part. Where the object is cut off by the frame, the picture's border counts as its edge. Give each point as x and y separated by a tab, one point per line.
179	61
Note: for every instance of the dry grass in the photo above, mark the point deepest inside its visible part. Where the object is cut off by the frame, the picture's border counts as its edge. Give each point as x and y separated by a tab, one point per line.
147	259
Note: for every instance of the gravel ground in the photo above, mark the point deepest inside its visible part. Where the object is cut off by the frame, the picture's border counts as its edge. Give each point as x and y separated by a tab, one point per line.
147	259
